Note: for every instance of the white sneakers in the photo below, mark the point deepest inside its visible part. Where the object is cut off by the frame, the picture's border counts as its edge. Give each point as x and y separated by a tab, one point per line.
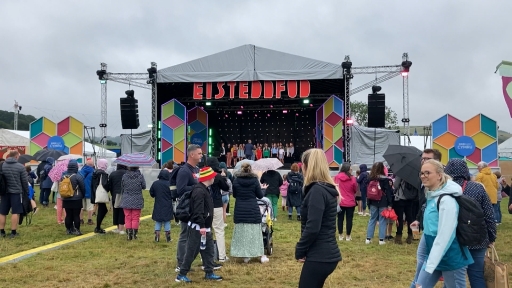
224	260
349	238
381	242
340	238
264	259
368	241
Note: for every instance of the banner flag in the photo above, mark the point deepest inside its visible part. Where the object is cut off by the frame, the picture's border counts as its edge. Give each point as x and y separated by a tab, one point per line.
505	69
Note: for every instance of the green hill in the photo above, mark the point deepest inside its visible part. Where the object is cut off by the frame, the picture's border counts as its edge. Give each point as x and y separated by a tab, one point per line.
7	120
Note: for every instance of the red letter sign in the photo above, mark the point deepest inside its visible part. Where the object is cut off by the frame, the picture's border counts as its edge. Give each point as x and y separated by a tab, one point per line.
209	90
221	90
279	88
232	89
292	89
268	89
255	89
243	89
198	91
305	88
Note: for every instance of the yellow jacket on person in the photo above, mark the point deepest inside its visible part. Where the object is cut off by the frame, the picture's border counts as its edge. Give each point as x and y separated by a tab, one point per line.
490	182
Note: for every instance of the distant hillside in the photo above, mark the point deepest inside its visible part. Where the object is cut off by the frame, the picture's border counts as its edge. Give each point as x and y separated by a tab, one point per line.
502	135
7	120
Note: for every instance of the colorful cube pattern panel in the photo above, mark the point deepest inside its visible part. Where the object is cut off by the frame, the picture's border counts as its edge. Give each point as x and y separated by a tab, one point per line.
197	121
474	140
173	136
329	130
67	135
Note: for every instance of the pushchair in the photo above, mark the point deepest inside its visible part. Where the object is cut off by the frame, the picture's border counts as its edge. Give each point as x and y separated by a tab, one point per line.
266	224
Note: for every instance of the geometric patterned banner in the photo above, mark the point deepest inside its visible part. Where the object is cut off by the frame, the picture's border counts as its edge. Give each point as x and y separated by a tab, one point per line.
329	119
197	123
474	140
67	135
173	136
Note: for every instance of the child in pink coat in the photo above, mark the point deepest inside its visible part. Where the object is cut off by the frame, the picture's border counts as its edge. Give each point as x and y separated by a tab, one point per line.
284	192
348	188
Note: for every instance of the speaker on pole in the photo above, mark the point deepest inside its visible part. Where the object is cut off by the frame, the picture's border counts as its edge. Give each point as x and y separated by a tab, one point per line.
129	111
377	110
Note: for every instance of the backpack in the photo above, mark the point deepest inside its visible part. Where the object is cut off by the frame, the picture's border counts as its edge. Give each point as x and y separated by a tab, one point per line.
410	192
182	212
374	191
294	187
3	181
42	175
172	182
471	227
66	188
230	190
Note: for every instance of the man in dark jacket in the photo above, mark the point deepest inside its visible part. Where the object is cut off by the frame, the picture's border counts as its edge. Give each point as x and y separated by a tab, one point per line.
17	189
115	188
362	180
199	226
274	180
220	183
87	205
73	205
46	182
185	180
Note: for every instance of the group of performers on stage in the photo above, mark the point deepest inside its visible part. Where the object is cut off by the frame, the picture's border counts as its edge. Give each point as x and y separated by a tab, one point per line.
238	152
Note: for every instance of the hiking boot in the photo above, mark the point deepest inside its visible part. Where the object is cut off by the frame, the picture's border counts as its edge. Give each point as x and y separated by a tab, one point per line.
129	234
69	232
77	232
2	234
409	239
168	236
157	236
398	239
99	231
12	236
135	231
212	277
182	278
289	217
89	222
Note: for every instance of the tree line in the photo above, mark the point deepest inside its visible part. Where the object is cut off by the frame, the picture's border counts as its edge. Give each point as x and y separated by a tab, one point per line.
7	120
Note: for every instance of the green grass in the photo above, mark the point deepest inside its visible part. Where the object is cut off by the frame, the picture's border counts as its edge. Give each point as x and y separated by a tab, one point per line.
111	261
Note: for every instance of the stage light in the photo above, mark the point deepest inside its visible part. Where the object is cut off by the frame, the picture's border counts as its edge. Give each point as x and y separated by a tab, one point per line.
305	101
296	114
350	121
268	115
226	115
310	105
271	106
285	111
376	89
242	107
129	93
255	115
406	65
208	103
239	112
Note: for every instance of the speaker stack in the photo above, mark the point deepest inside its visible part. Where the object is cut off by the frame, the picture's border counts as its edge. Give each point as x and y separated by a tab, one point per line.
376	108
129	111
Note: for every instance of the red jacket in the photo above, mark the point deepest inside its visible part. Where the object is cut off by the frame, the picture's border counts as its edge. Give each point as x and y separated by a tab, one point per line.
348	189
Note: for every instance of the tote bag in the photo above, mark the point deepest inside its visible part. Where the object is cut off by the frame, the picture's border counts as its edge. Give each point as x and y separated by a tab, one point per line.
495	272
101	193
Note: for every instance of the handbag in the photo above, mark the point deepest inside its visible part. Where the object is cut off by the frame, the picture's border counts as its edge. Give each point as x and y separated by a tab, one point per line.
101	193
119	198
495	272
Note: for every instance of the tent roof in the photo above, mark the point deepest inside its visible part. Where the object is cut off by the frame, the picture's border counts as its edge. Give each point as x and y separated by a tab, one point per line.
24	138
250	63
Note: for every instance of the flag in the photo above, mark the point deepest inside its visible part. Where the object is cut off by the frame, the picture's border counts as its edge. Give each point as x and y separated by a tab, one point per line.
415	132
505	69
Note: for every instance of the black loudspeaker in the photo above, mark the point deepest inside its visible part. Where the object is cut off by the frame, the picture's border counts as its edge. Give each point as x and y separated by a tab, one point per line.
377	110
129	113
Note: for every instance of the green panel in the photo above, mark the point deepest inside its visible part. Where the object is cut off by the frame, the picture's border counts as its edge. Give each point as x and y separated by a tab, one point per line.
36	127
470	164
167	110
338	155
167	155
33	148
179	110
328	107
488	126
337	132
179	134
454	155
71	139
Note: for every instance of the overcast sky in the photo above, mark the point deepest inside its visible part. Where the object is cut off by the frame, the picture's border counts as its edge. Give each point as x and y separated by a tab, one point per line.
50	50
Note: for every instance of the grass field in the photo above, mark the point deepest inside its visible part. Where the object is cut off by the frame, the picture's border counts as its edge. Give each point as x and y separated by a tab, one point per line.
112	261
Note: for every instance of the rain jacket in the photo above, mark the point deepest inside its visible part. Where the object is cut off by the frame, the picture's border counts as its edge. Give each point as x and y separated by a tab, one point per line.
490	182
162	209
362	180
348	189
86	173
47	182
443	249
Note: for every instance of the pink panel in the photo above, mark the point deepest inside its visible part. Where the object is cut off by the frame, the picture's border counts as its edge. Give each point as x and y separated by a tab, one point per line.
329	154
494	164
339	143
192	115
455	126
63	127
173	122
319	114
165	145
476	157
41	140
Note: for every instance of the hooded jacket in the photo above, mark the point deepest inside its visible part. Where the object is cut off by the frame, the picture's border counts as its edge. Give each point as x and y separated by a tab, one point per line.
86	173
458	170
348	189
201	206
490	182
245	190
362	180
133	183
77	182
47	182
15	177
220	182
114	181
162	210
318	224
443	249
274	181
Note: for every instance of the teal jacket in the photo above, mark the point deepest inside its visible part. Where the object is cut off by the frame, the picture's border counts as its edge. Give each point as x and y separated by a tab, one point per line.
443	249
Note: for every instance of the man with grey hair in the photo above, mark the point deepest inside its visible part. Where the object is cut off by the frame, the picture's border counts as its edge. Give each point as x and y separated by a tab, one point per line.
186	178
489	180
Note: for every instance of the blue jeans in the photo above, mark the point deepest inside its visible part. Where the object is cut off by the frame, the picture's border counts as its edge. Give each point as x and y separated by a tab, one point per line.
452	279
497	212
421	255
376	213
225	199
167	226
290	210
476	270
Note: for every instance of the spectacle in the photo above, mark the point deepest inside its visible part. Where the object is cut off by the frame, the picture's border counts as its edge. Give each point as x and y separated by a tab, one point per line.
426	158
425	173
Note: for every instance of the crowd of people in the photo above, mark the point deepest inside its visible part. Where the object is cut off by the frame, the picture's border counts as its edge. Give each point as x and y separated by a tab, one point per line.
234	153
319	200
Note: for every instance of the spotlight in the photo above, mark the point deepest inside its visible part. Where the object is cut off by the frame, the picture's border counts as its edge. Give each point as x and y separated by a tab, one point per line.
255	115
152	72
296	114
310	105
406	65
268	115
376	89
305	101
285	111
129	93
239	112
350	121
271	106
208	103
241	107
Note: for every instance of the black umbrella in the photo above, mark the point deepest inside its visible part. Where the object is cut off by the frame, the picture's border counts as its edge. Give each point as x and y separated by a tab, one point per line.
25	158
405	161
41	155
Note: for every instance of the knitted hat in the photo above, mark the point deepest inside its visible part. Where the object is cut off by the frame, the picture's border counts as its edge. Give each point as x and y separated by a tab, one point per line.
206	174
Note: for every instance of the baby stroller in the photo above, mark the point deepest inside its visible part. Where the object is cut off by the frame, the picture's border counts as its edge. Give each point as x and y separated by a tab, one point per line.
266	224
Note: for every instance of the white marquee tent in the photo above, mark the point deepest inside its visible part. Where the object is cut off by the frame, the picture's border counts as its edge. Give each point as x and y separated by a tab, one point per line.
22	138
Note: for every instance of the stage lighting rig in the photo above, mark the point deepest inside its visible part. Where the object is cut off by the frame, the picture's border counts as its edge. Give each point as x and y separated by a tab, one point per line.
130	93
376	89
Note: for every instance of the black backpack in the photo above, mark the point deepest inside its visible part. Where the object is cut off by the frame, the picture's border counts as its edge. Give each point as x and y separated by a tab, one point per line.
3	181
471	227
295	185
183	209
410	192
172	182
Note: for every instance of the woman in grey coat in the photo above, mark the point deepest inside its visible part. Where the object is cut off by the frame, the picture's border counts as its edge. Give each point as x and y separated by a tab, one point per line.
132	200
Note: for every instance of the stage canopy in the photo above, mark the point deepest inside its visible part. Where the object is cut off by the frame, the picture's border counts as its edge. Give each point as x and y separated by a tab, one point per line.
249	63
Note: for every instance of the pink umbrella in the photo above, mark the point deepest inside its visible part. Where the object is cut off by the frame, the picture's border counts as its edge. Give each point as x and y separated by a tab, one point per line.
59	168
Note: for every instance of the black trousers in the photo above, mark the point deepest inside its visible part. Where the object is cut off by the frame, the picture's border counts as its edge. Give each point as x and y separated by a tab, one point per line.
314	274
193	248
401	207
349	212
102	212
72	220
118	216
